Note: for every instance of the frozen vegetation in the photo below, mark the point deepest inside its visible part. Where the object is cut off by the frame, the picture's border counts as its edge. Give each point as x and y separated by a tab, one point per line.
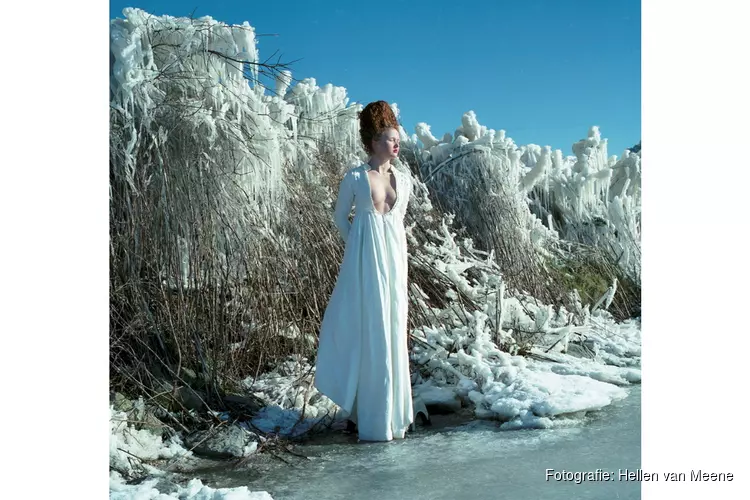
496	326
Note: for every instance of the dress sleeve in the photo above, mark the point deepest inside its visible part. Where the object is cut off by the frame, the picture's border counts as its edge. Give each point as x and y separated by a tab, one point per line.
344	204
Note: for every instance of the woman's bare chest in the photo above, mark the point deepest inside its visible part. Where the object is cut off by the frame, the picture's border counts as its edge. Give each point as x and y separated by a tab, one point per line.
383	190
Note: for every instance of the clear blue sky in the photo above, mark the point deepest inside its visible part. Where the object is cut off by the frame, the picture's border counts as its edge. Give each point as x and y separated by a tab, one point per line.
543	70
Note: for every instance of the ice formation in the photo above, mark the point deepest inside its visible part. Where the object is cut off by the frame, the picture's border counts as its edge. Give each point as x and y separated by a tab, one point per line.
130	448
588	197
194	490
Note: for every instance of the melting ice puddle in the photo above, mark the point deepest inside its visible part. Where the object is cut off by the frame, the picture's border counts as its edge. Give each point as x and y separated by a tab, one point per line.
473	461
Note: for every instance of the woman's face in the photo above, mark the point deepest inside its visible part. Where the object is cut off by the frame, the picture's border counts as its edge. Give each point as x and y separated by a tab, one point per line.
387	145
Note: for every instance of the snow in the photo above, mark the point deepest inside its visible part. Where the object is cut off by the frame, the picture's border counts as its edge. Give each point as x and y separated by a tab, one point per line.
285	422
129	447
548	389
435	395
127	443
194	490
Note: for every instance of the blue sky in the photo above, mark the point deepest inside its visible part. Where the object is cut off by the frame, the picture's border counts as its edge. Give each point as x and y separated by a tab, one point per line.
543	70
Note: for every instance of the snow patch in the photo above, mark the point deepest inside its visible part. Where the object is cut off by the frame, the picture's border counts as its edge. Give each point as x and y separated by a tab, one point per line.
194	490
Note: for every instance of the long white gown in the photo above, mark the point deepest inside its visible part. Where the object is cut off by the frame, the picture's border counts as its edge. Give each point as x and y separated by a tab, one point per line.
363	361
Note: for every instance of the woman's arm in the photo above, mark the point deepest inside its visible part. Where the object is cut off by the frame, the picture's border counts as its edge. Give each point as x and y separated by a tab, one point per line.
344	206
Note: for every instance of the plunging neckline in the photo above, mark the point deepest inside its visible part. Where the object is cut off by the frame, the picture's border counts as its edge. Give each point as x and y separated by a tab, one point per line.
396	189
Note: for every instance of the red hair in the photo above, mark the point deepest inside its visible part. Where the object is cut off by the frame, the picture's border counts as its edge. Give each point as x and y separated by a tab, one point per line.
373	121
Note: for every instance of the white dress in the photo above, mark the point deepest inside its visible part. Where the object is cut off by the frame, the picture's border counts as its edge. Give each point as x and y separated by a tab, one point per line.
363	361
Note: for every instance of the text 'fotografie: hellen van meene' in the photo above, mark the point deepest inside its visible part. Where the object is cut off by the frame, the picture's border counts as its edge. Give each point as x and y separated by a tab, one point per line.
636	475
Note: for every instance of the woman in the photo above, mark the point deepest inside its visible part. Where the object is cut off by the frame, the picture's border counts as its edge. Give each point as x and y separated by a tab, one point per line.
363	362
